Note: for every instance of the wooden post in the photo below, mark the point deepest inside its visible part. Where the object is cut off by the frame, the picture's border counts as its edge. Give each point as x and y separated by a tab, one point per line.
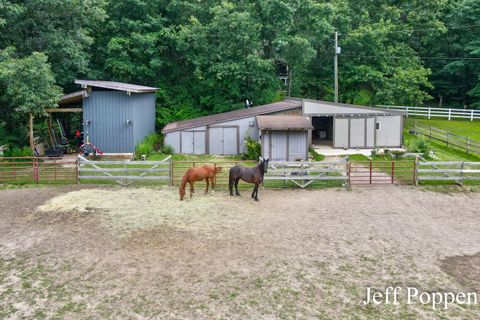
415	171
370	172
171	172
449	114
50	129
30	131
468	144
393	171
77	170
447	138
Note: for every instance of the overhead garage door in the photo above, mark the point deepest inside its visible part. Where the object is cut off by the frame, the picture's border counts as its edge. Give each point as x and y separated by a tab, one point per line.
223	140
193	142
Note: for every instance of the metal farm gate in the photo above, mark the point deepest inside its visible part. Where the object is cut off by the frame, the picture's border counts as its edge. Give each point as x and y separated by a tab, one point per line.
382	172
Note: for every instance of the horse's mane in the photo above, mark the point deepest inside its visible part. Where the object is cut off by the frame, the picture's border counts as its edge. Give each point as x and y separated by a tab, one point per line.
184	180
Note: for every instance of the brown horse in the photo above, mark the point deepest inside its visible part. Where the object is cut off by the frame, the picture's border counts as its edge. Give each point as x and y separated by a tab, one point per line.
251	175
206	173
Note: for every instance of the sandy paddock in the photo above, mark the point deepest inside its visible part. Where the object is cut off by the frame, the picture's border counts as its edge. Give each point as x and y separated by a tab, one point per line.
140	253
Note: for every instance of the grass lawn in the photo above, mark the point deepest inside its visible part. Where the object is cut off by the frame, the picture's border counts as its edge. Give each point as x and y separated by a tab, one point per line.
465	128
441	151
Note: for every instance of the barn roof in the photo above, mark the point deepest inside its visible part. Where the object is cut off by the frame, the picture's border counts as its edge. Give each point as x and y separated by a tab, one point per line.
116	86
232	115
283	123
74	97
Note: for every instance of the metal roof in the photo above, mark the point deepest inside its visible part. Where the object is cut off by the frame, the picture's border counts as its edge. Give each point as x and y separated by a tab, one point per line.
116	86
350	109
281	122
232	115
74	97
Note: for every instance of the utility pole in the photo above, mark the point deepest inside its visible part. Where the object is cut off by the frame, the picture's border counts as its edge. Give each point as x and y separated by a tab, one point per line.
335	64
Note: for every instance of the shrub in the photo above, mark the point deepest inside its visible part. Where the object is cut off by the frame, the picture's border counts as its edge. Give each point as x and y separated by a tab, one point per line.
253	149
18	152
149	145
315	155
167	149
420	146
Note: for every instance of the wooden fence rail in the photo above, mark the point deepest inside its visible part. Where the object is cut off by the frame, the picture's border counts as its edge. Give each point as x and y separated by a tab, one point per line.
450	139
471	114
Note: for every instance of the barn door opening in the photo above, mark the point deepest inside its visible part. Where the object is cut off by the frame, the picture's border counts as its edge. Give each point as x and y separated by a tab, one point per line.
322	133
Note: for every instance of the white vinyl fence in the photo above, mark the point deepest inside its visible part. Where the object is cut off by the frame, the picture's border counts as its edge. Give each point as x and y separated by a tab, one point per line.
470	114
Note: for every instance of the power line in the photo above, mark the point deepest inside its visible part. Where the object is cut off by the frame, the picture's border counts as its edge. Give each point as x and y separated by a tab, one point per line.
425	58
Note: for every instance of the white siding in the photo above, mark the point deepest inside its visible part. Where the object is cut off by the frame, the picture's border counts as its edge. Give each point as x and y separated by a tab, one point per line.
390	132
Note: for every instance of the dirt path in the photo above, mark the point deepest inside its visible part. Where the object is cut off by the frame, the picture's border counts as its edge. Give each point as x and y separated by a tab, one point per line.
140	253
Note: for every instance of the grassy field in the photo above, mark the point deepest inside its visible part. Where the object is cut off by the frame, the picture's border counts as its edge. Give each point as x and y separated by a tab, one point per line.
465	128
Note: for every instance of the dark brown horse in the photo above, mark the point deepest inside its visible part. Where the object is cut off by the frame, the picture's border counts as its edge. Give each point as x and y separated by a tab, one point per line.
206	173
250	175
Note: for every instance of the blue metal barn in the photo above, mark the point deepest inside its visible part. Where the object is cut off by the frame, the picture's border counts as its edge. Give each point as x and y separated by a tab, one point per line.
116	116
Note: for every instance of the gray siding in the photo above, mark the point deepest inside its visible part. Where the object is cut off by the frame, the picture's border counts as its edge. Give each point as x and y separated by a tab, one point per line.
340	133
173	139
143	107
362	133
108	112
285	145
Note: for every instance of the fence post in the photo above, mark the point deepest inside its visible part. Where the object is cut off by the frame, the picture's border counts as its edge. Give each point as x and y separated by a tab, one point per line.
407	113
415	171
429	112
430	136
35	170
468	144
462	177
349	169
449	114
447	137
171	172
393	171
471	115
370	172
77	170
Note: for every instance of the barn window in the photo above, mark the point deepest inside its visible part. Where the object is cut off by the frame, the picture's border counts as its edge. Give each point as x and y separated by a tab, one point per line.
377	125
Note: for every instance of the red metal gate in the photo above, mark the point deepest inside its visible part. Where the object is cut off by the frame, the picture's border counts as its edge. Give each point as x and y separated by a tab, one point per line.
38	170
381	172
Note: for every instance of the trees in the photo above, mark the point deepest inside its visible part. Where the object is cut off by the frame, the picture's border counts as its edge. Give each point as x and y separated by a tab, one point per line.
27	86
210	56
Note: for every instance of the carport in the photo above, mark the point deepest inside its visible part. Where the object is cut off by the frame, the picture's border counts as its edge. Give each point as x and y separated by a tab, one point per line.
284	138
